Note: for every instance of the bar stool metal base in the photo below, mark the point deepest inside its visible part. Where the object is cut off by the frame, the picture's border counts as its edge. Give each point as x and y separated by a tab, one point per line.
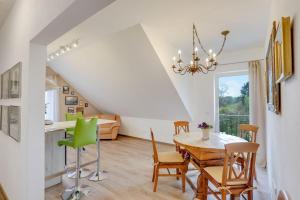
98	176
83	173
75	194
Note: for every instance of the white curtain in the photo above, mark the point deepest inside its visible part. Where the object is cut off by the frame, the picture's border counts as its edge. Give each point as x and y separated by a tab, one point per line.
52	104
257	107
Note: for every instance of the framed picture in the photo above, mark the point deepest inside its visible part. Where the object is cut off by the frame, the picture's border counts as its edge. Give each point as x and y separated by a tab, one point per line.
14	122
71	110
71	100
66	89
5	85
80	103
4	120
273	88
15	81
283	50
86	105
72	92
80	109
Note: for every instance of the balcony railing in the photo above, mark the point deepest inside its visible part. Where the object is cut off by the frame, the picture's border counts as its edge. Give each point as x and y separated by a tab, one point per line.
230	123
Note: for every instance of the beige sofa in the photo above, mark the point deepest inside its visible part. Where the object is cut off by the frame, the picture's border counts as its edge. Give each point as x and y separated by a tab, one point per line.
109	131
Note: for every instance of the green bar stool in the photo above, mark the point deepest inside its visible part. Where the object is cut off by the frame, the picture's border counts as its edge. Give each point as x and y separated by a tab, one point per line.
84	134
72	117
70	132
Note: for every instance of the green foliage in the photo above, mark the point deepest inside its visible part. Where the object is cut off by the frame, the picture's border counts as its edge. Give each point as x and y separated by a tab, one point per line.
234	111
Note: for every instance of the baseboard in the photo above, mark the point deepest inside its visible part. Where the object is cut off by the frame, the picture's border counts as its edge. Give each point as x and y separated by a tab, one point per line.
3	195
144	139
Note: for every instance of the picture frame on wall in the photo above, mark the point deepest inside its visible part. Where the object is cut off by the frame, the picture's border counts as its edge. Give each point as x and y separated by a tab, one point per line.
14	121
273	88
86	105
71	110
71	100
5	85
66	89
15	81
283	50
4	120
72	92
80	109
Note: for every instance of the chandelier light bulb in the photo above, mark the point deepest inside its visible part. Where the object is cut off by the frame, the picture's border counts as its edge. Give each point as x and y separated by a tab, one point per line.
68	48
48	59
51	56
195	65
75	44
57	54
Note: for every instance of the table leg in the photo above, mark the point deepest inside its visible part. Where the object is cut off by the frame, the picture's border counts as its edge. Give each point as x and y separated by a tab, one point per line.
98	175
201	188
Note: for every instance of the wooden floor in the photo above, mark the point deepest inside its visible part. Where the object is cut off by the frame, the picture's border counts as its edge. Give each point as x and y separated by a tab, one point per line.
128	162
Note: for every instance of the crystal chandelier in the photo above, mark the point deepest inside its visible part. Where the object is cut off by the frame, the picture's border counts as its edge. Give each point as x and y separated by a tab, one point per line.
195	65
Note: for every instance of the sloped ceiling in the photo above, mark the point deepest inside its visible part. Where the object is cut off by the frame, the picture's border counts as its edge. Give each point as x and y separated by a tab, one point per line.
123	61
122	74
5	6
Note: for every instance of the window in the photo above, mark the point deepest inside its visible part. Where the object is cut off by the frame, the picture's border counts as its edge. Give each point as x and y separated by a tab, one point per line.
232	102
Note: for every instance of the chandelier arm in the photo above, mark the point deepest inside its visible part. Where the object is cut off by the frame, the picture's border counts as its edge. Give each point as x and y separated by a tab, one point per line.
199	41
222	47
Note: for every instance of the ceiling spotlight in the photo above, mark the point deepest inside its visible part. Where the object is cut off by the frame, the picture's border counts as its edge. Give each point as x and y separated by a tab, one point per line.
62	50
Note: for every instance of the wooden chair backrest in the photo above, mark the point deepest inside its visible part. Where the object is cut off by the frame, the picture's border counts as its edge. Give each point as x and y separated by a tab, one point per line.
181	126
155	155
282	196
248	129
232	173
3	195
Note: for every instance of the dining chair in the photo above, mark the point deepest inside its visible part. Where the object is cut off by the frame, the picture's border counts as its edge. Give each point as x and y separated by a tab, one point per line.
249	133
181	126
230	178
167	160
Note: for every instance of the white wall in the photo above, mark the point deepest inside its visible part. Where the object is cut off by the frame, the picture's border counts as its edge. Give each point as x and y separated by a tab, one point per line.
283	138
22	164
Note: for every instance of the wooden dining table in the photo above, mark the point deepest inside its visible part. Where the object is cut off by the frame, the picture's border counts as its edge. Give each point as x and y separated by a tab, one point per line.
204	153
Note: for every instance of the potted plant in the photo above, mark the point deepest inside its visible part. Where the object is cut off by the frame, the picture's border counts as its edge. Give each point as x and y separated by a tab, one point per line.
205	128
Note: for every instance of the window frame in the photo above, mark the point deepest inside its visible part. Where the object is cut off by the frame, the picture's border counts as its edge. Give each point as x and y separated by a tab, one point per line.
216	92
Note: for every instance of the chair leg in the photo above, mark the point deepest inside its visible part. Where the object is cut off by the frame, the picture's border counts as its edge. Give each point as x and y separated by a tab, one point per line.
155	178
153	174
232	197
223	192
177	172
183	180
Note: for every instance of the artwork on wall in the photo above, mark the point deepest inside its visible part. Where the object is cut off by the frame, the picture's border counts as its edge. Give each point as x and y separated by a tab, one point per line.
71	110
283	50
71	100
15	81
80	109
4	120
14	122
86	105
273	88
66	89
80	103
72	92
5	85
11	82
